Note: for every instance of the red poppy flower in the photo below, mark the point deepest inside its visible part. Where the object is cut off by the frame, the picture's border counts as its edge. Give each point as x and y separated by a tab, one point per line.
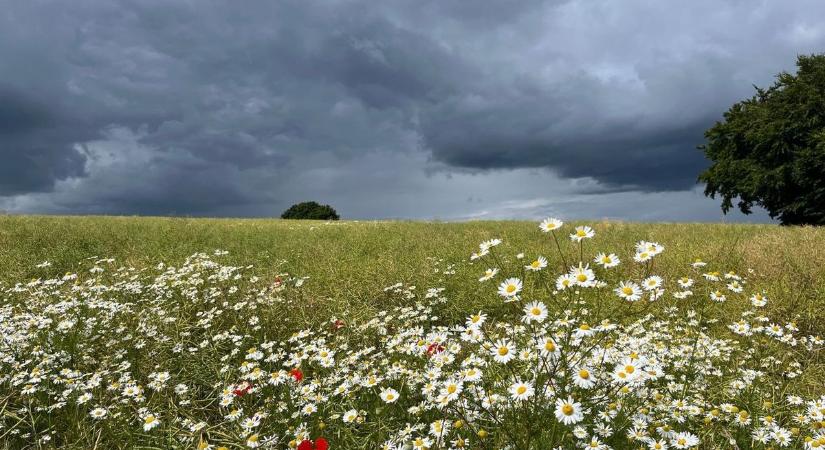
241	391
320	444
434	348
338	324
297	374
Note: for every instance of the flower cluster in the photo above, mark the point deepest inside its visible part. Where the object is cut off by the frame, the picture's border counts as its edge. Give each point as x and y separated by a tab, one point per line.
201	356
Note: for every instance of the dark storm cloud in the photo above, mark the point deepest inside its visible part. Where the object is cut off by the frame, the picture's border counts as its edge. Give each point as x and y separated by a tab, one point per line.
227	108
36	146
620	157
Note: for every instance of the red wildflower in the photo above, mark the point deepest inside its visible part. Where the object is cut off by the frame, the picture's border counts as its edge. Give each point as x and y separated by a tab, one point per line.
242	390
434	348
297	374
320	444
338	324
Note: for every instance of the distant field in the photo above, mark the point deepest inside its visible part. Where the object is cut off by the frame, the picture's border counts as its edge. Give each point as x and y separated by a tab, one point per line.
351	262
292	338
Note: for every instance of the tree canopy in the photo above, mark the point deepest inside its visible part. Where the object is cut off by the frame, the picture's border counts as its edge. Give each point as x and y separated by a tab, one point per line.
310	210
770	149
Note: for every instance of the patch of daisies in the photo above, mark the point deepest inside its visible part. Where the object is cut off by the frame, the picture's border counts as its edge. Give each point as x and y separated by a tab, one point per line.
572	354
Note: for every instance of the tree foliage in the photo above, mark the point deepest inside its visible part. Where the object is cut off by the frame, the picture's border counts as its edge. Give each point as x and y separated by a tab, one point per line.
770	149
310	210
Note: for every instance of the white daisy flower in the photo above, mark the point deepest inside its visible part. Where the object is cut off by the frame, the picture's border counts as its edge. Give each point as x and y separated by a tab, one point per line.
607	261
150	421
534	312
684	440
510	288
389	395
503	351
581	233
584	378
488	274
652	282
629	291
350	416
550	224
520	391
568	411
538	264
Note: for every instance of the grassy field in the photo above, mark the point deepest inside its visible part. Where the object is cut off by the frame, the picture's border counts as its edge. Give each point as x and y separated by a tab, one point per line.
349	263
91	361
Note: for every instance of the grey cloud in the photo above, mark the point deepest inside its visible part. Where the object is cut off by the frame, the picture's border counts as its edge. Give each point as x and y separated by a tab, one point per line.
36	146
159	108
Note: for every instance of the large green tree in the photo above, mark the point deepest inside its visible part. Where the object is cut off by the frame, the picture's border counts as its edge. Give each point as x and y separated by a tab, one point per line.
770	149
310	210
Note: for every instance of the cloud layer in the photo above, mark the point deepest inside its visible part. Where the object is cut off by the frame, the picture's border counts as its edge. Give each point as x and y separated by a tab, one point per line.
389	109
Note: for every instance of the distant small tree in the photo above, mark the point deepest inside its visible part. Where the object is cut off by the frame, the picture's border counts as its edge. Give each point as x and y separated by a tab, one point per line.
770	149
310	210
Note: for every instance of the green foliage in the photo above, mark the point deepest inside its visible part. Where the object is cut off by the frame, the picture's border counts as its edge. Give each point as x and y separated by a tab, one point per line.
359	259
348	266
310	210
770	149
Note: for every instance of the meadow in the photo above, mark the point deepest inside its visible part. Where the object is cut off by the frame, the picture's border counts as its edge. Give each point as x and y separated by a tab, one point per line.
124	332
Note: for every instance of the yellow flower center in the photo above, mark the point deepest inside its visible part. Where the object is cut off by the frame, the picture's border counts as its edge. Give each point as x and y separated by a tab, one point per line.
567	409
511	288
521	390
627	290
502	351
584	374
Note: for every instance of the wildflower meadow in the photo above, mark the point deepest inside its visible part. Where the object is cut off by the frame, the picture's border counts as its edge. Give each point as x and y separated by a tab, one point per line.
350	335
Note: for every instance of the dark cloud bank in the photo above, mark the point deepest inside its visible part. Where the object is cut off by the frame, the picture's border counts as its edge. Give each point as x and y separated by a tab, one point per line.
386	109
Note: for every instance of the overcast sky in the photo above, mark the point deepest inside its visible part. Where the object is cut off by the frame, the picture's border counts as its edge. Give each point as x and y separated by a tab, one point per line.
422	109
